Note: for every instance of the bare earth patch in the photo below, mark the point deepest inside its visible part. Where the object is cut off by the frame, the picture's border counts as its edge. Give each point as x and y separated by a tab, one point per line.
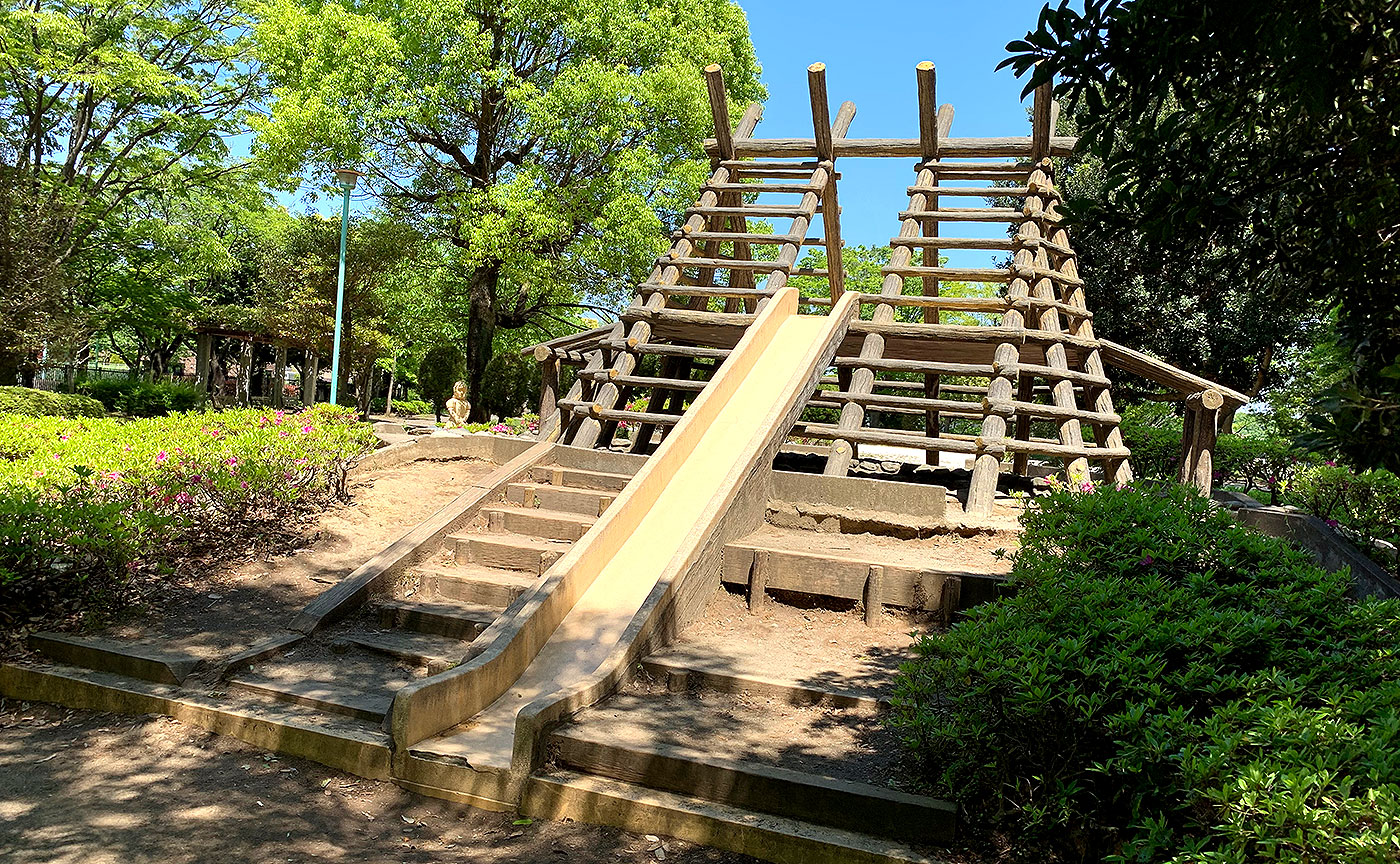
78	787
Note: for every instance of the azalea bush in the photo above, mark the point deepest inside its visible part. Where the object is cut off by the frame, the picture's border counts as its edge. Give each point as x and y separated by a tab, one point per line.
1364	506
85	503
526	424
1164	686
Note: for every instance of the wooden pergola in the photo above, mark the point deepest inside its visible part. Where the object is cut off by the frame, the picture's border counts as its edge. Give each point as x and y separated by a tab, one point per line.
1029	382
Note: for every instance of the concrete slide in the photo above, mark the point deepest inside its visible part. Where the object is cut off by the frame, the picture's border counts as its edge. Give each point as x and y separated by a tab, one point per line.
595	598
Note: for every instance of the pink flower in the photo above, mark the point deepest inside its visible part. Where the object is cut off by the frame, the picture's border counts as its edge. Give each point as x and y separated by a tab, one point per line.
301	461
231	461
184	499
63	437
306	428
162	456
282	434
243	485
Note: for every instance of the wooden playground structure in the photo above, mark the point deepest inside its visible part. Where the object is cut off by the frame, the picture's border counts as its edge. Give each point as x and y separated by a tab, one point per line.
1029	379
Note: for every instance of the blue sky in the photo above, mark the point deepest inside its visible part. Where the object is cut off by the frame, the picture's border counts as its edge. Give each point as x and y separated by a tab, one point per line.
870	50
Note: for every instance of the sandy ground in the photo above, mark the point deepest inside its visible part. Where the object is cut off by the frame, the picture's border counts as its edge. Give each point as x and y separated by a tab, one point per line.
83	788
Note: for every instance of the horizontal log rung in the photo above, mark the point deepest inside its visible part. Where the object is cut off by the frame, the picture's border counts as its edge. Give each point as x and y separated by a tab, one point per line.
892	438
1049	412
702	290
664	350
754	210
1064	451
989	243
960	274
603	376
722	263
926	367
1012	370
972	191
924	404
752	188
979	214
689	316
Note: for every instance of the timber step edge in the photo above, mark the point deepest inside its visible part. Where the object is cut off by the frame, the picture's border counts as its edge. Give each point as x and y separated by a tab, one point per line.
537	522
507	551
437	653
580	478
133	659
545	496
367	705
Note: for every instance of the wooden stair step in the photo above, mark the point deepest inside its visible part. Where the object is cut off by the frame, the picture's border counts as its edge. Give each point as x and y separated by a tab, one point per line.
507	551
421	649
454	620
589	502
469	583
538	522
629	806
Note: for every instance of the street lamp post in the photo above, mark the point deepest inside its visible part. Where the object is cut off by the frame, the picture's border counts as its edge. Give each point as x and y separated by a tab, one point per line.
348	178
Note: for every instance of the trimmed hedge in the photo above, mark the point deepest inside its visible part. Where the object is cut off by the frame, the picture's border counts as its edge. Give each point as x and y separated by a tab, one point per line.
143	398
41	403
1164	686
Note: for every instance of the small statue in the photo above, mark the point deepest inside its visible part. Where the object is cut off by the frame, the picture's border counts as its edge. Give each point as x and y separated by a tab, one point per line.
458	407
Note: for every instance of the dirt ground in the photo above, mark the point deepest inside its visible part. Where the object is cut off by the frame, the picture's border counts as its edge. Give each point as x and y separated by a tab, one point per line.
247	600
78	787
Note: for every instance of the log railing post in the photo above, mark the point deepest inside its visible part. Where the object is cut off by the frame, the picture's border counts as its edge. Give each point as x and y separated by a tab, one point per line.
549	383
1197	468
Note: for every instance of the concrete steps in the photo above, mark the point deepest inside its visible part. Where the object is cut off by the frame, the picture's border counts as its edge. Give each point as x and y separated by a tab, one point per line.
811	764
455	620
531	555
589	502
333	698
435	653
564	794
475	584
603	481
910	574
535	522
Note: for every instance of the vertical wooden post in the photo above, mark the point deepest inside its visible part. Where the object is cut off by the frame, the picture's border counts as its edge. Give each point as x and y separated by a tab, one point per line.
279	376
874	595
826	152
203	349
1041	130
1197	467
927	80
310	374
1025	392
758	581
549	382
951	597
245	373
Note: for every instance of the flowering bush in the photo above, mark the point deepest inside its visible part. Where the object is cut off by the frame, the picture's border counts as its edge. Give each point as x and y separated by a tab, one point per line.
1364	506
85	502
527	424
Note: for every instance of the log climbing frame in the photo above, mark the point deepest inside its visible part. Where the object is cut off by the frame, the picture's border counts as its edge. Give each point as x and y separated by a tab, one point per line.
1022	377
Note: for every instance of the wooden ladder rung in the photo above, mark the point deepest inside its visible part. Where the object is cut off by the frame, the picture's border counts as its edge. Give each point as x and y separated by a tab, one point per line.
751	188
990	243
973	192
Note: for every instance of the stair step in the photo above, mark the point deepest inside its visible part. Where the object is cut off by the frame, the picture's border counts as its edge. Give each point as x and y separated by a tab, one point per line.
438	653
470	583
455	620
578	478
133	659
507	551
369	705
535	522
843	574
609	751
568	794
589	502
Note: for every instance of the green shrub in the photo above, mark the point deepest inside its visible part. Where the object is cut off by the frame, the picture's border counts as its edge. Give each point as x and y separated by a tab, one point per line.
527	424
85	502
1164	686
143	398
41	403
1364	506
405	407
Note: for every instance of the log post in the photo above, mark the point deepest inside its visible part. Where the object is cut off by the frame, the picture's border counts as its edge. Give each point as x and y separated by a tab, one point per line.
1198	433
873	597
549	382
245	373
758	581
203	350
310	374
826	152
279	376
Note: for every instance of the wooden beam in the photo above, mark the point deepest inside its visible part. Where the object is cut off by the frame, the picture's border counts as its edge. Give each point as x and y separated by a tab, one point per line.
719	111
1040	121
898	148
831	210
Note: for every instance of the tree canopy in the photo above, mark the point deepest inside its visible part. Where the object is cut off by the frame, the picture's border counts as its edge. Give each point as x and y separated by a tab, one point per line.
1255	142
548	142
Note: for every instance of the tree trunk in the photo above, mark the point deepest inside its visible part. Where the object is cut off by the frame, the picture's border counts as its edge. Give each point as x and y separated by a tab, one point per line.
389	393
481	334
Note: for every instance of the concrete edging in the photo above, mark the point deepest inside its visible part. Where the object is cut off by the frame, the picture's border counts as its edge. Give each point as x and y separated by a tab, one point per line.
1329	548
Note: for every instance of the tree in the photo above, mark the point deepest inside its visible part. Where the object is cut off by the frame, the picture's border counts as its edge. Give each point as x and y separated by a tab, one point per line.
550	142
101	104
1257	138
438	372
